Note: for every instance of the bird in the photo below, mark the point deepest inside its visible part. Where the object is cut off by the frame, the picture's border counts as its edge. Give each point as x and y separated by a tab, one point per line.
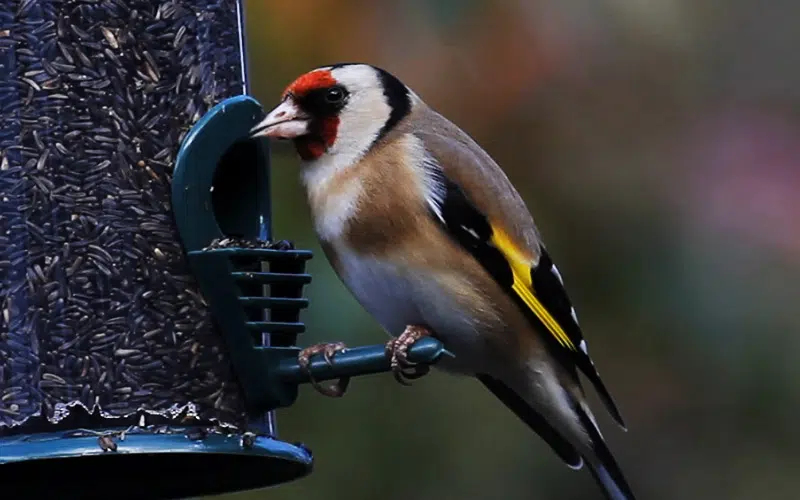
430	236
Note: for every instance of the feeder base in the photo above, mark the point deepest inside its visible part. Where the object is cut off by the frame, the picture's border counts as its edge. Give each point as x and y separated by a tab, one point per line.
181	463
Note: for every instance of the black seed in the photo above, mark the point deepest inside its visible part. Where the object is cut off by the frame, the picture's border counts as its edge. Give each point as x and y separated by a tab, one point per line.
78	31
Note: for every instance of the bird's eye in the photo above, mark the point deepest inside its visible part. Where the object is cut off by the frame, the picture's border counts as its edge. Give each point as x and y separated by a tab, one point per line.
334	95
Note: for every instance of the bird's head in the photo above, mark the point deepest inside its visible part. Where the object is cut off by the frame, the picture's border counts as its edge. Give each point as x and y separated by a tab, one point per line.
343	108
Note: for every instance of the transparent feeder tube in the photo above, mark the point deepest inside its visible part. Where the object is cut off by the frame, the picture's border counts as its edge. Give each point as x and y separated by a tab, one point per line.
99	309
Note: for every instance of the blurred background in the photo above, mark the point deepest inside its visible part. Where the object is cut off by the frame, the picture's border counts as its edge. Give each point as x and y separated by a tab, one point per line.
657	143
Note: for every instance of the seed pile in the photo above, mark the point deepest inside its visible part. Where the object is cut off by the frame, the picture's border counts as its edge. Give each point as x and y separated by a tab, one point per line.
245	243
98	306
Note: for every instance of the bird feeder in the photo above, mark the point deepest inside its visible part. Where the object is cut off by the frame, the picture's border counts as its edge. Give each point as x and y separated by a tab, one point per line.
149	322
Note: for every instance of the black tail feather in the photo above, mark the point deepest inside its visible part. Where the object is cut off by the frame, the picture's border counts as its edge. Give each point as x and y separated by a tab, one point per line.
603	466
534	420
605	396
610	487
605	470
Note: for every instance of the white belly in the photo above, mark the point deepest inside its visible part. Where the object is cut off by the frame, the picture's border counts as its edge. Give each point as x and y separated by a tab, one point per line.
397	296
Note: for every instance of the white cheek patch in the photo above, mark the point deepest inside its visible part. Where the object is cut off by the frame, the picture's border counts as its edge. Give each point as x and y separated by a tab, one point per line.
364	115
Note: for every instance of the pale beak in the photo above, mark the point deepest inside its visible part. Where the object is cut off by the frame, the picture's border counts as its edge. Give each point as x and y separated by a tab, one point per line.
286	121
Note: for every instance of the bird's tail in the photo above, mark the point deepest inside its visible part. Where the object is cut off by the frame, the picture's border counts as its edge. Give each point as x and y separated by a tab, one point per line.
595	454
612	488
603	466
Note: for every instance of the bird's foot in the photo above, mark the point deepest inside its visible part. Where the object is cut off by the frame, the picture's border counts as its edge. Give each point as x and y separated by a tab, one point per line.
328	351
397	351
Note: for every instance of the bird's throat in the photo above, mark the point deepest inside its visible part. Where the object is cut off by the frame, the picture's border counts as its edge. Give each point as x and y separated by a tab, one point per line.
323	135
309	148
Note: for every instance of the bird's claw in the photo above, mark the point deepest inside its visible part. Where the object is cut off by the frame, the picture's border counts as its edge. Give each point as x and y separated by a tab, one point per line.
328	351
397	351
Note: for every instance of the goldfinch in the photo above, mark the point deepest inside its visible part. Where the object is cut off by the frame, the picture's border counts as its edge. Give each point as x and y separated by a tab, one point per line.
428	233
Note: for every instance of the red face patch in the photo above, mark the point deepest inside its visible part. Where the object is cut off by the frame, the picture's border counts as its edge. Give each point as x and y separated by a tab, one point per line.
323	129
312	80
311	147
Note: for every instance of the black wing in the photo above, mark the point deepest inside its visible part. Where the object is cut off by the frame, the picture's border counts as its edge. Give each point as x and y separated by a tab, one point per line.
536	287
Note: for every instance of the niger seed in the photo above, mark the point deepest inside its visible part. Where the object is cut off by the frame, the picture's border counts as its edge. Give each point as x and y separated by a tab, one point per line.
98	96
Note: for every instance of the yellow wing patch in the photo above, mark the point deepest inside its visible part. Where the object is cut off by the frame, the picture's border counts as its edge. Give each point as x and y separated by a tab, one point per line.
523	286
